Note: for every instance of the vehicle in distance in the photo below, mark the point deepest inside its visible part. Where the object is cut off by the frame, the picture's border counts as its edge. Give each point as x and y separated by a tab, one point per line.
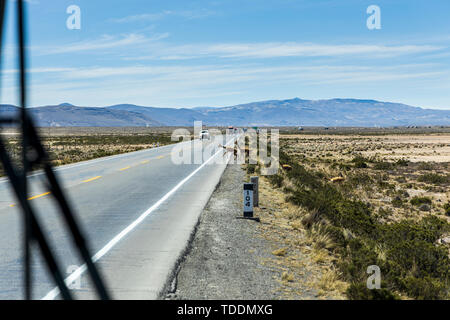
232	129
204	134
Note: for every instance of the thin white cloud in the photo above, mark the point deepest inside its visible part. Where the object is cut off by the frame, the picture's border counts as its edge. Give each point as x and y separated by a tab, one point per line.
270	50
39	70
143	17
152	17
233	73
104	42
161	50
280	50
134	84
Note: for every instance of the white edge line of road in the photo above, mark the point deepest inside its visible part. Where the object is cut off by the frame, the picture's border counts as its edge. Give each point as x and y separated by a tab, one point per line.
52	294
92	161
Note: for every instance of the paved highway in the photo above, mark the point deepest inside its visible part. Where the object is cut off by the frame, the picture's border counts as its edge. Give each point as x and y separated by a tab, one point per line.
138	211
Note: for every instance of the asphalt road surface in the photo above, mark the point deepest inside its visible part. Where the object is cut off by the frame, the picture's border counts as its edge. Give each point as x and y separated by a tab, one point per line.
137	210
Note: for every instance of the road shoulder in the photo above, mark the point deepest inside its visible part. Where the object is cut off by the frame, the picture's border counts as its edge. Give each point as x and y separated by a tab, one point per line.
231	258
225	259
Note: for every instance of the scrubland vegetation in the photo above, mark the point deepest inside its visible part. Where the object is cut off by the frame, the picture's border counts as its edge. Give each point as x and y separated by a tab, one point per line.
389	208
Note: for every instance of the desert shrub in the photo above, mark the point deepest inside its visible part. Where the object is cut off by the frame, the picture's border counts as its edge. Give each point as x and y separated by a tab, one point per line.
433	178
73	152
359	178
420	258
424	288
337	235
383	166
359	291
435	226
402	162
358	256
417	201
429	229
356	216
132	139
425	166
447	209
397	202
251	168
276	180
310	219
345	167
384	212
360	162
400	179
303	177
361	158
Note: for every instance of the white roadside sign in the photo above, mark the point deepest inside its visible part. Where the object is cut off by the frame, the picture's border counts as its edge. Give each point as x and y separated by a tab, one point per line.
248	199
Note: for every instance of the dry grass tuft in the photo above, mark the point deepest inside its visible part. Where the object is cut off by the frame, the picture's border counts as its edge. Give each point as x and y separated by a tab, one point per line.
320	238
310	219
280	252
287	277
321	256
331	281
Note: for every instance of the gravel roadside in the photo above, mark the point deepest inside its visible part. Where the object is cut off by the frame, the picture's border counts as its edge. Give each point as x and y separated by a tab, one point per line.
226	257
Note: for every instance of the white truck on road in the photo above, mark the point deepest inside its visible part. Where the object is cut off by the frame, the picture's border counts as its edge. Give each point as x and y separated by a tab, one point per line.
204	134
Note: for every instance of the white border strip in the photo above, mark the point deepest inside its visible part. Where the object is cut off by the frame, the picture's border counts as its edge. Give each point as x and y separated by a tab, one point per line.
78	272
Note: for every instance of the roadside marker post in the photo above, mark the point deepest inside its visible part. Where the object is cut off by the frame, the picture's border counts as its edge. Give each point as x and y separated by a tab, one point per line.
248	200
248	203
255	182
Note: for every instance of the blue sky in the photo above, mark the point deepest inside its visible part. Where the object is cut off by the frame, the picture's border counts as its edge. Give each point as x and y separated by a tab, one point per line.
179	53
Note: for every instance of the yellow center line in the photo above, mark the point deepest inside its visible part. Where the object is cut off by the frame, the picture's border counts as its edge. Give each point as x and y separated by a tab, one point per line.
47	193
92	179
32	198
88	180
39	195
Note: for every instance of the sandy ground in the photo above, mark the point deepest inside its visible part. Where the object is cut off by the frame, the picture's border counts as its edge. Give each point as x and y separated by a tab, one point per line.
416	148
424	153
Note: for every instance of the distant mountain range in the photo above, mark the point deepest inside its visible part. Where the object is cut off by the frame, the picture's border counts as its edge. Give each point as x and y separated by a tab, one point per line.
292	112
66	115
